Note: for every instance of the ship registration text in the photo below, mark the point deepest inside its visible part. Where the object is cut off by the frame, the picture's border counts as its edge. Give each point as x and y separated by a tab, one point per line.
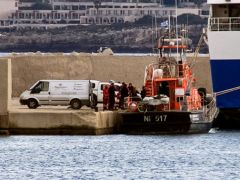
156	118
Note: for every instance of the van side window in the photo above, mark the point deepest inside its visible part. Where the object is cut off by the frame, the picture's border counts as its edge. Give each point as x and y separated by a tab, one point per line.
43	86
102	86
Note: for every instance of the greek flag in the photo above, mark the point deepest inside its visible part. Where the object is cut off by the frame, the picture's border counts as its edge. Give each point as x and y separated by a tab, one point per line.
164	23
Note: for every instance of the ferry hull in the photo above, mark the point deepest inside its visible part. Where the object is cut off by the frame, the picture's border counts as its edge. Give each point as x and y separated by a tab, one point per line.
228	119
226	75
164	123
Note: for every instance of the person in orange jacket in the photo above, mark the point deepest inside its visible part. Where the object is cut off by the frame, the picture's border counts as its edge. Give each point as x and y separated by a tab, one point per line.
105	97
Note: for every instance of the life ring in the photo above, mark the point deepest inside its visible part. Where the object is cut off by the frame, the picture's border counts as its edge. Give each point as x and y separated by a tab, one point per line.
133	107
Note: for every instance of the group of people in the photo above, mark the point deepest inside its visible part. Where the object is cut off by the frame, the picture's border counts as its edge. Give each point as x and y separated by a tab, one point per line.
125	91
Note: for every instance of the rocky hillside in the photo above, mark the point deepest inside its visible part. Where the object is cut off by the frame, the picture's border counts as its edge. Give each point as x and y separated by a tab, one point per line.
125	38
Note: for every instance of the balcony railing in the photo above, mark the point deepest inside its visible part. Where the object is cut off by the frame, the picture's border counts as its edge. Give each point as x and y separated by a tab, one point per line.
224	24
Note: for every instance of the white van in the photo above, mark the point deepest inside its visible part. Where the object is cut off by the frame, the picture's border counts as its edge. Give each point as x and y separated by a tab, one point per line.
98	89
75	93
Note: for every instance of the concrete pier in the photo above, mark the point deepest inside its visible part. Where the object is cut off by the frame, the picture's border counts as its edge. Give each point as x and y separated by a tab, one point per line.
57	122
5	93
54	121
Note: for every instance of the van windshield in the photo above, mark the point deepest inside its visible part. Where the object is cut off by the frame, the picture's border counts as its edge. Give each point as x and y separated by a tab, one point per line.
34	85
42	85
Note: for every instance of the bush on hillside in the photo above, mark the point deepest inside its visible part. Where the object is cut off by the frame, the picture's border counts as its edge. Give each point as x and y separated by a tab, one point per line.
191	19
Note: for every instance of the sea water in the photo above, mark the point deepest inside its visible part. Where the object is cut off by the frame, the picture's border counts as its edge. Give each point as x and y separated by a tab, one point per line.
215	155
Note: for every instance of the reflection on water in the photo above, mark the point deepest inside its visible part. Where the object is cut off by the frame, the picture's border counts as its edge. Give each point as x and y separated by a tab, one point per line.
207	156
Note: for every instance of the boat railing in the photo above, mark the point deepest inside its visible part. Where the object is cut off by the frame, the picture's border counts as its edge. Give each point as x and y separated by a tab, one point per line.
210	109
169	69
224	24
136	104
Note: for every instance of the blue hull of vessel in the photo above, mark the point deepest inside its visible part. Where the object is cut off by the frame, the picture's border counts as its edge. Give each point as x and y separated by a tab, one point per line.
226	75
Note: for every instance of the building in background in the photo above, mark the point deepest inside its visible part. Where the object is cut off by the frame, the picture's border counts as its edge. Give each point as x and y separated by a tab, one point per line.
57	13
7	8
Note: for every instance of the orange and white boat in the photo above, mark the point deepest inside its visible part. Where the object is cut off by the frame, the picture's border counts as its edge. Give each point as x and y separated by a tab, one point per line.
172	104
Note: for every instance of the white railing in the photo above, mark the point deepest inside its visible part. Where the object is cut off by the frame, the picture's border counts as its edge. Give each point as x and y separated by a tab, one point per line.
224	24
211	110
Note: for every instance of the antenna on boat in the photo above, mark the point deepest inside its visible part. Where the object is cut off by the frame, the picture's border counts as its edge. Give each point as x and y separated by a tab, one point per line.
169	31
176	11
156	35
152	37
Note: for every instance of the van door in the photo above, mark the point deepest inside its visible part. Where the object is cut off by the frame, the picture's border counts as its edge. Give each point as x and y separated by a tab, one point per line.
60	92
41	92
100	92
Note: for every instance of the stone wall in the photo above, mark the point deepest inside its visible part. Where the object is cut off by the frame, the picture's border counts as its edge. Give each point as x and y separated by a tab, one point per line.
27	69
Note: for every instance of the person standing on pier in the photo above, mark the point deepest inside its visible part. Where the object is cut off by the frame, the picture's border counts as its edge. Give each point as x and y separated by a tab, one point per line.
105	97
123	94
130	89
143	92
111	92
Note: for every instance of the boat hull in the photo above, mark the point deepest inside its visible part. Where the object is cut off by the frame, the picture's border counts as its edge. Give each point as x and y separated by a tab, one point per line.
228	119
172	122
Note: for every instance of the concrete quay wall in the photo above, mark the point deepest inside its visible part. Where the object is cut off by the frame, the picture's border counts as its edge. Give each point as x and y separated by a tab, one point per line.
5	92
62	123
27	69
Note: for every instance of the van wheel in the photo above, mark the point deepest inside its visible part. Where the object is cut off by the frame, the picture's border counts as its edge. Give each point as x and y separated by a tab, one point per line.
76	104
32	104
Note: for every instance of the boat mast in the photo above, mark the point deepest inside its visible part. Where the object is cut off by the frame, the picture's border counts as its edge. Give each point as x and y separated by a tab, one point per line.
176	11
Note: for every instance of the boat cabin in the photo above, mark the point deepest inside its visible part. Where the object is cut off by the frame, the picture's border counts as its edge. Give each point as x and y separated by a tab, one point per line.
224	15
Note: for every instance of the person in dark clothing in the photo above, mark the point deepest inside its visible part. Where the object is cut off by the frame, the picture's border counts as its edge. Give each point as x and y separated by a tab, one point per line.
123	94
143	92
111	92
130	89
163	88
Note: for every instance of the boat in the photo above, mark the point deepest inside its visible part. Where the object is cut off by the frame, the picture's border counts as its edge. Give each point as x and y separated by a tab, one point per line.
223	34
173	105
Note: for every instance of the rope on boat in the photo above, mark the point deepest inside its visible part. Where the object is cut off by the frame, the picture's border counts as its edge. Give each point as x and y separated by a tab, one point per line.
196	52
219	93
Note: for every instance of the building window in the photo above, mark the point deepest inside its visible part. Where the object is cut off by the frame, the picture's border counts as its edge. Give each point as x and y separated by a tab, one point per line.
74	7
108	12
129	12
21	16
99	12
82	7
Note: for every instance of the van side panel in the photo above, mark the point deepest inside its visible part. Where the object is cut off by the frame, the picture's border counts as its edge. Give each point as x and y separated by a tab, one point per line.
62	92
